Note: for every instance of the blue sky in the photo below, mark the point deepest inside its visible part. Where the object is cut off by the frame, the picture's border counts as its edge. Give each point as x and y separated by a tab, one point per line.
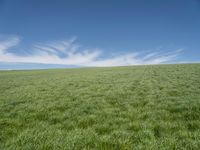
71	33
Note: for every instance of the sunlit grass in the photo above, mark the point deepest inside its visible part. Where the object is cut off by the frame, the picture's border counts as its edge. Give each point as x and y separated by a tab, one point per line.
141	107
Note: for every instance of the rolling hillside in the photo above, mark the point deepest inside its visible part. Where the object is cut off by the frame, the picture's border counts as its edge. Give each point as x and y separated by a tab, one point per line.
137	107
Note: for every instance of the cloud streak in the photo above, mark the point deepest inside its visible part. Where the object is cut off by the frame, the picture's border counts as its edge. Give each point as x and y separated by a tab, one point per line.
68	52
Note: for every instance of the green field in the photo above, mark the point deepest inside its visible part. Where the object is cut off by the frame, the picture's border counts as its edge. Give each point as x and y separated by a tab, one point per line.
138	107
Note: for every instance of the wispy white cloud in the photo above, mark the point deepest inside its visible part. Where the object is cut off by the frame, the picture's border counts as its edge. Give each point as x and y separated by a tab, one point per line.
8	43
68	52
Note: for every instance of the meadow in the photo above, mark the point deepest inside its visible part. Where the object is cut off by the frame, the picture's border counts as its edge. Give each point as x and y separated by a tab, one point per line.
150	107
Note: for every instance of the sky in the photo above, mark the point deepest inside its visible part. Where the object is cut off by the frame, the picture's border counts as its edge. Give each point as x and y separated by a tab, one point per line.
43	34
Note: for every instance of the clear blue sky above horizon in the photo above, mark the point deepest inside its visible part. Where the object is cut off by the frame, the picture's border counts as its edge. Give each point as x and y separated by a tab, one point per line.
98	33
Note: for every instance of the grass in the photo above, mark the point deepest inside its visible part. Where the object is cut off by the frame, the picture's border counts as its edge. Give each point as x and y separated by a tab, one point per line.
140	107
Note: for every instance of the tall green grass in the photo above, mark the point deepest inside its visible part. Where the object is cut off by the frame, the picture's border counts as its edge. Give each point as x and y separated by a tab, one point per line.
140	107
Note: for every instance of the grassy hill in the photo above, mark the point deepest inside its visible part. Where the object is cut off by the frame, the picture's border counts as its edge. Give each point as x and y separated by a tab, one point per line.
139	107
